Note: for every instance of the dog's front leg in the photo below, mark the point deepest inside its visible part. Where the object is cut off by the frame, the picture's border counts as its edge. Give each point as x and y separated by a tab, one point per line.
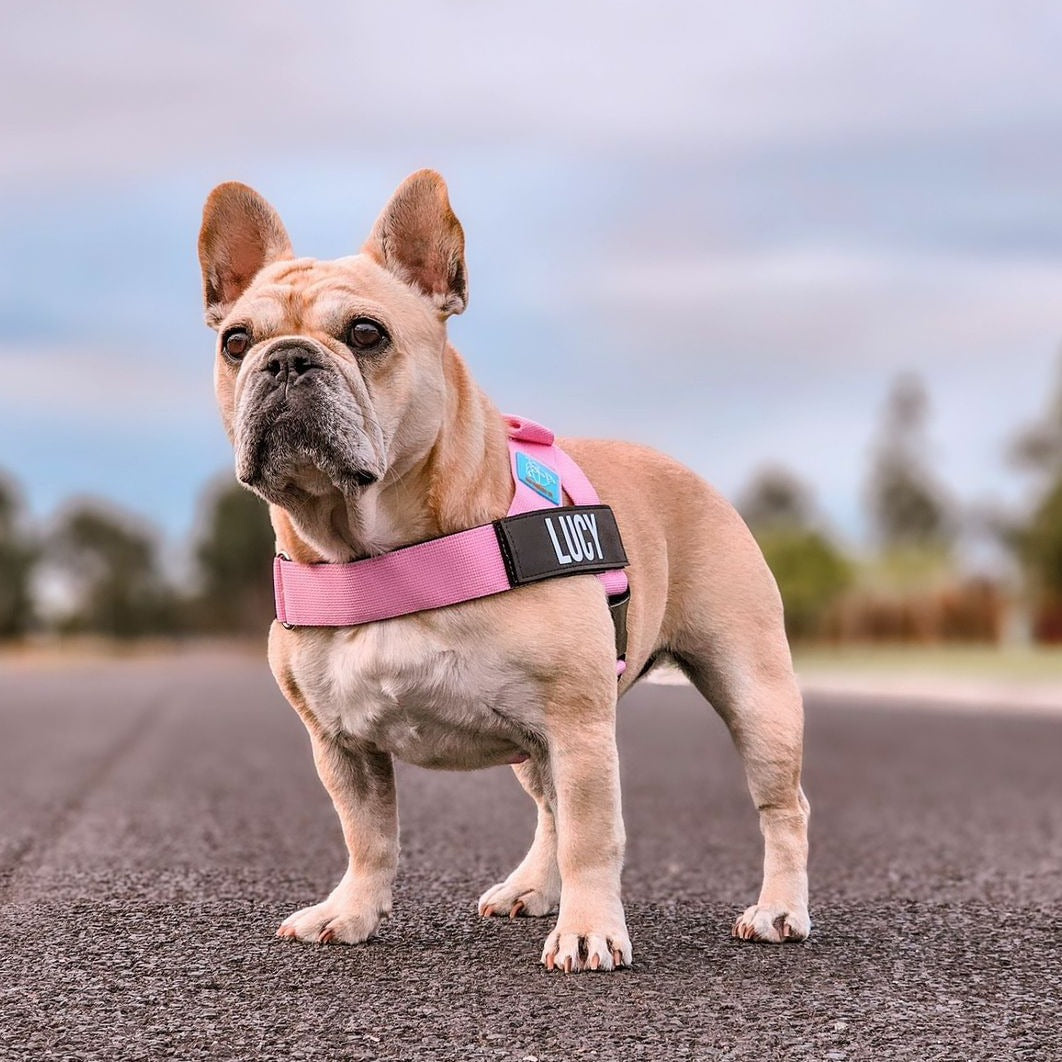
591	932
360	781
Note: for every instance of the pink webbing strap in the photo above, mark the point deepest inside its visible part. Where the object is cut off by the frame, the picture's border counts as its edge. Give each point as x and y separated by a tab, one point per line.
538	442
444	571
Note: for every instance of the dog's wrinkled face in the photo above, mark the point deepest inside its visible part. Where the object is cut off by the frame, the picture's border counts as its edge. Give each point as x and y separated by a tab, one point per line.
319	365
329	373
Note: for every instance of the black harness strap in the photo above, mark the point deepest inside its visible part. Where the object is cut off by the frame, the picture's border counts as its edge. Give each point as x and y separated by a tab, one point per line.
573	540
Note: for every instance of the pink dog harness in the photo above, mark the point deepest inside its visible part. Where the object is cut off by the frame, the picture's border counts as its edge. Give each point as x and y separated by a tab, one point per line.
540	538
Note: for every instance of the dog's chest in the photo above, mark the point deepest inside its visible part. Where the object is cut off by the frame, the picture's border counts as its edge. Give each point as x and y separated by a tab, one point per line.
428	695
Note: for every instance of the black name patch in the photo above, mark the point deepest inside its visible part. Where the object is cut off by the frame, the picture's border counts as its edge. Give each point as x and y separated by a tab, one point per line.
565	541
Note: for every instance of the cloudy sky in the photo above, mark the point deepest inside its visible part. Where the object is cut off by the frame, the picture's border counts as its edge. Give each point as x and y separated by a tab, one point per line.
722	229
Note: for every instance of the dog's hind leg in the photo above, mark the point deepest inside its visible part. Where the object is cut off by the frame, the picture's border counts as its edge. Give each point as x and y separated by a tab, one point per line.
745	671
533	888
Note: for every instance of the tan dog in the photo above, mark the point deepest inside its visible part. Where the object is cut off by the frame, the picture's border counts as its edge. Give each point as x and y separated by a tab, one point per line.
354	417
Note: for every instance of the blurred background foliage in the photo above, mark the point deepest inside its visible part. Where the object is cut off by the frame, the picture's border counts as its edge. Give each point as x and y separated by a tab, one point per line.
233	559
111	569
1037	540
913	581
17	560
99	571
812	571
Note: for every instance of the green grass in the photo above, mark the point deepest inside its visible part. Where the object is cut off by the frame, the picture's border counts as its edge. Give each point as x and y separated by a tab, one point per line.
1011	662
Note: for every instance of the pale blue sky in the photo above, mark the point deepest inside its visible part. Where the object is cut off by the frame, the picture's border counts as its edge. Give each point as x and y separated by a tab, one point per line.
721	229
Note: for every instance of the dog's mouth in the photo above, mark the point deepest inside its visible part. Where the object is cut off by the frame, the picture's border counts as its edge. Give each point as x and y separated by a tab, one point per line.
296	473
297	444
285	463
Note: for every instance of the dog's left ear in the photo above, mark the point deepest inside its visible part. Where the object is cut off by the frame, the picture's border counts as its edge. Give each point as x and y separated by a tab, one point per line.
420	240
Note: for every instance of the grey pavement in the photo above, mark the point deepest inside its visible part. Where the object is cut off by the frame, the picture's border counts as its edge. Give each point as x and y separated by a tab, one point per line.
160	818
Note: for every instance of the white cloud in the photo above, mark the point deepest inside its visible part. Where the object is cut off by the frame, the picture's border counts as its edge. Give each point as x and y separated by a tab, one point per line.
118	87
831	307
98	388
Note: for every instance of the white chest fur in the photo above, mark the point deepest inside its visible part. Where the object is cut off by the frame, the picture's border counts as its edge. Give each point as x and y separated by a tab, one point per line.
429	690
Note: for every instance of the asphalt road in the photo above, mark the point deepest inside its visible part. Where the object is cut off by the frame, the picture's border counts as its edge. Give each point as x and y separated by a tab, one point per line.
160	819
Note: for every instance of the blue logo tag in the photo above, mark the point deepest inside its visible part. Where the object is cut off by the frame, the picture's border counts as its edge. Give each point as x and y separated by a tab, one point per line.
541	479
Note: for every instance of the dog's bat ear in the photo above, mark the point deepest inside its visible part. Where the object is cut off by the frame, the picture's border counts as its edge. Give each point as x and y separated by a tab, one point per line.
420	240
241	233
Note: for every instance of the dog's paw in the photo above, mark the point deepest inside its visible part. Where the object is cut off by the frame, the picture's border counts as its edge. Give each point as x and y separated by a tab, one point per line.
338	920
519	898
602	946
773	924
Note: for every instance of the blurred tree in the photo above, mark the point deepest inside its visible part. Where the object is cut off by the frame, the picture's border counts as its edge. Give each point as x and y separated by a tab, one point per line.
908	509
1037	540
776	498
113	572
235	560
17	561
811	572
1038	448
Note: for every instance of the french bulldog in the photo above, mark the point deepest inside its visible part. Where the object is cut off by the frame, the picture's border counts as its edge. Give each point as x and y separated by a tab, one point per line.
353	416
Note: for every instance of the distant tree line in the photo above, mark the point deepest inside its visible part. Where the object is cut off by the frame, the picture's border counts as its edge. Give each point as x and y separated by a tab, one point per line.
97	571
101	572
1037	540
910	586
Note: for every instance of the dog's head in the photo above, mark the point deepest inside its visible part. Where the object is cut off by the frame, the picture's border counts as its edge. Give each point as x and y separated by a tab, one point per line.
329	374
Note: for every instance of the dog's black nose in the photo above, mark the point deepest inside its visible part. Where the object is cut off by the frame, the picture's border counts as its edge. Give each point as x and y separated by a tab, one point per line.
287	364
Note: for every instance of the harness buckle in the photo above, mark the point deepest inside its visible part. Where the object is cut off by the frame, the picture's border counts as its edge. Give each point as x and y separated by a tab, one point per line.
617	607
287	626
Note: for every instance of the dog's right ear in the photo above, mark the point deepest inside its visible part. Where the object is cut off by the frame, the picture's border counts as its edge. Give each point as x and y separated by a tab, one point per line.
241	233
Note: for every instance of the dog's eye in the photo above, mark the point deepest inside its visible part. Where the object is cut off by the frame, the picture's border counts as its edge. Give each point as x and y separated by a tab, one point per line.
366	335
235	344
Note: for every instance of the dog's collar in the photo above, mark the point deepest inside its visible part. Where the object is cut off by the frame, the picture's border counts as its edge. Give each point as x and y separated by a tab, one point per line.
540	538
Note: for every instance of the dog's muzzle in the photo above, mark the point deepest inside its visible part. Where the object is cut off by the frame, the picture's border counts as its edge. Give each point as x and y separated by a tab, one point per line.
298	409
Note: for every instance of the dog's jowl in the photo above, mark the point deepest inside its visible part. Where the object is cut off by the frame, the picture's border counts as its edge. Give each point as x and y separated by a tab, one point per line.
353	416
